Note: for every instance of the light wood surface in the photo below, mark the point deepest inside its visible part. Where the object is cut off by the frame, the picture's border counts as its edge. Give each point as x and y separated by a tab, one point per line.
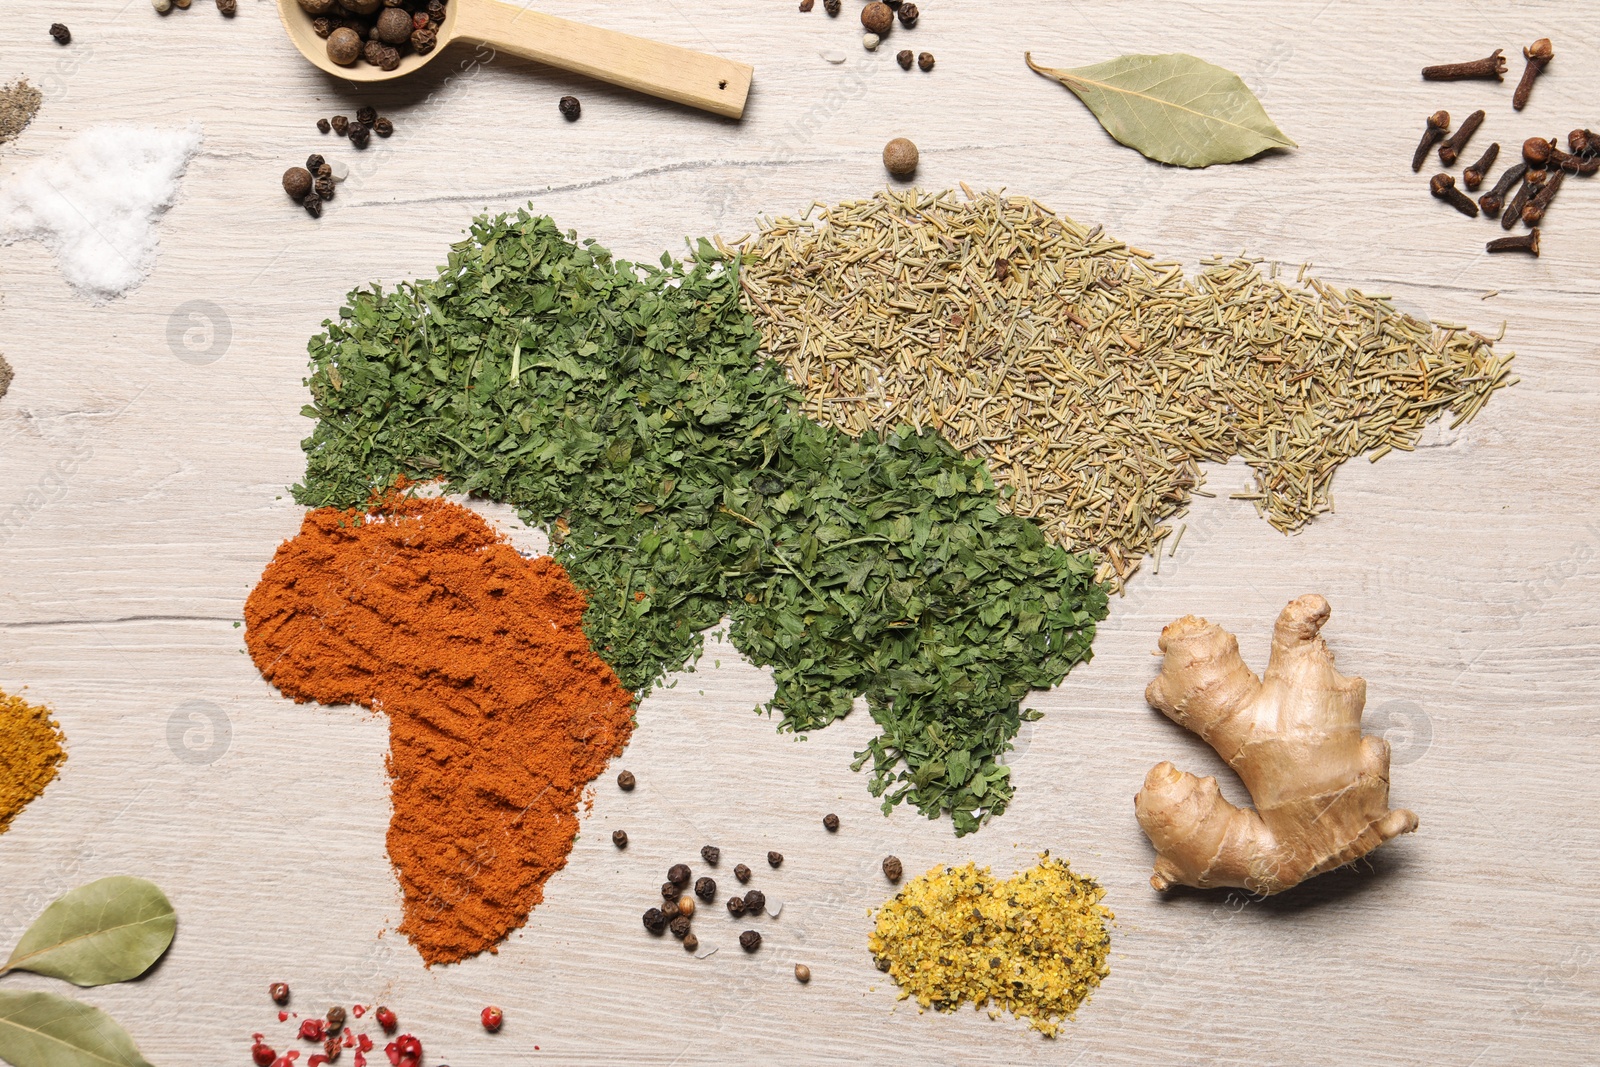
1464	577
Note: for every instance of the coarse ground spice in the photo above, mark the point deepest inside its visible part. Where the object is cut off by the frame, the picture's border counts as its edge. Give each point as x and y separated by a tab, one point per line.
30	748
499	713
19	102
1035	945
1091	378
5	376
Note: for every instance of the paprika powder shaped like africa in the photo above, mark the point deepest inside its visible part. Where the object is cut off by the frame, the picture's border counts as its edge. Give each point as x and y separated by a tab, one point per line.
499	712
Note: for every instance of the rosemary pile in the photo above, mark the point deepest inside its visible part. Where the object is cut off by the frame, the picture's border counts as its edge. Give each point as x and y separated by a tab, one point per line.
629	410
1090	377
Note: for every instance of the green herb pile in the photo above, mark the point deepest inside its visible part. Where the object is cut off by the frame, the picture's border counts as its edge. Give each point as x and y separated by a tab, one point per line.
629	410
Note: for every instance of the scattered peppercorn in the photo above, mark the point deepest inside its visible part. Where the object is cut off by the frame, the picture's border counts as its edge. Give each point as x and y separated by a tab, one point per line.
331	1049
669	908
774	859
228	8
313	161
360	136
678	874
749	940
619	838
736	906
830	822
386	1020
831	7
570	108
323	126
383	127
690	942
711	854
669	890
313	205
626	781
279	991
654	920
877	18
493	1018
705	889
905	58
336	1019
404	1051
324	186
366	115
60	33
755	902
313	1030
679	927
924	60
341	124
802	973
297	183
892	869
742	873
262	1055
908	15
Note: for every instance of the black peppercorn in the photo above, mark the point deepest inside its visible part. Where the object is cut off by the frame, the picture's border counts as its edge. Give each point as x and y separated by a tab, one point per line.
705	889
331	1049
314	161
736	906
436	10
297	182
424	40
360	136
711	854
323	126
749	940
908	15
881	962
570	108
313	205
831	7
905	58
383	127
742	873
626	781
619	838
60	33
678	874
670	909
367	115
340	124
336	1018
324	186
679	926
774	859
892	869
690	942
806	5
322	27
925	61
755	902
670	891
325	171
654	921
831	822
228	8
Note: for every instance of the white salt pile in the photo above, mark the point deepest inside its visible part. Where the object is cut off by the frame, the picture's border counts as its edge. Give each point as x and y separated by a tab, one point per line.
96	205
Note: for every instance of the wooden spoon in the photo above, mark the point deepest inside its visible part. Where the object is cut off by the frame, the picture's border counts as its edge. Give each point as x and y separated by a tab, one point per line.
706	82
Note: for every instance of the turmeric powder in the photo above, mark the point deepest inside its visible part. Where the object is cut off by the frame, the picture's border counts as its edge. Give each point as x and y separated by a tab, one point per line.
30	754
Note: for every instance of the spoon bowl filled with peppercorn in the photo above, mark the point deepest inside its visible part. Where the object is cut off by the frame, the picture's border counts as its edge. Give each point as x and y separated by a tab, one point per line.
375	40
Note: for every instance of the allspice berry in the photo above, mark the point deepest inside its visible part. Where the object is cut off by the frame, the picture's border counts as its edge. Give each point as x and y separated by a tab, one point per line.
900	159
892	869
750	940
394	26
297	182
742	873
878	18
802	973
619	838
344	46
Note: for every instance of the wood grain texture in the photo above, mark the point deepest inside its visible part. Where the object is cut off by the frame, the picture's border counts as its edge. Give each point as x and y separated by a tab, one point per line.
141	495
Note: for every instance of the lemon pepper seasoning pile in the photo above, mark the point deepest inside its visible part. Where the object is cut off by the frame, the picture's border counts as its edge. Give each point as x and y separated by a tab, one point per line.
1034	945
30	754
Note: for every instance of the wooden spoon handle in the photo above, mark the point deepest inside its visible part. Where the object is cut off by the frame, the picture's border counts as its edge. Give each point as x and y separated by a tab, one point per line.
694	78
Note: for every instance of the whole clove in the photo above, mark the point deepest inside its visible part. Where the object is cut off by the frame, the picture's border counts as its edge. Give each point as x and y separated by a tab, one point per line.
1450	148
1491	66
1539	203
1438	124
1530	185
1528	242
1495	198
1472	177
1443	187
1538	54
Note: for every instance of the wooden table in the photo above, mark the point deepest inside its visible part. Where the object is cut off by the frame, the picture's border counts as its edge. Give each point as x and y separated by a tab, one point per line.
1464	577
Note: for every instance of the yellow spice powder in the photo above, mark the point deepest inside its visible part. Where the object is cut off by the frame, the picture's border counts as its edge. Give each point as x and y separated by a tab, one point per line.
1035	945
30	754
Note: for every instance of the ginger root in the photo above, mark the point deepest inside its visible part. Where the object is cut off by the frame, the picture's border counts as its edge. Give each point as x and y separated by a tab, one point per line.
1321	789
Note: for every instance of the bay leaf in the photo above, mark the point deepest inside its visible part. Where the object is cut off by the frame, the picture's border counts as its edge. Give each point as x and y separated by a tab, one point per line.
46	1030
110	930
1173	108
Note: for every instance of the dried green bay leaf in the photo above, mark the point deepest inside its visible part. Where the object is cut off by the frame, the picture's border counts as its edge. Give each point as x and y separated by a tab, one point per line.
46	1030
110	930
1173	108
